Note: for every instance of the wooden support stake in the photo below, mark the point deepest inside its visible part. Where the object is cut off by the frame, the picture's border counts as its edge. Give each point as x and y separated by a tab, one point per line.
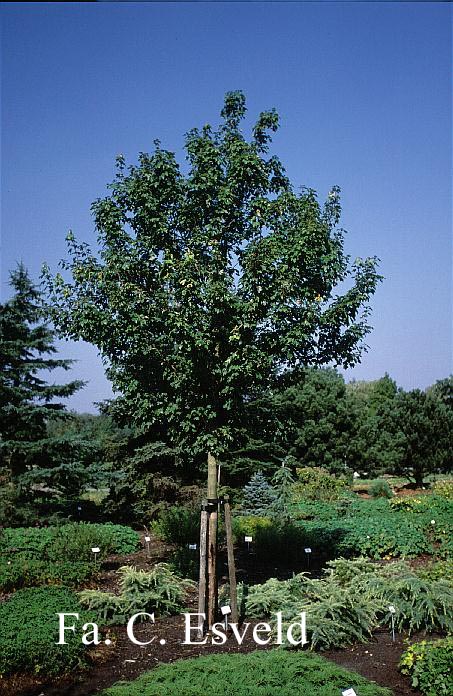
231	566
212	539
203	557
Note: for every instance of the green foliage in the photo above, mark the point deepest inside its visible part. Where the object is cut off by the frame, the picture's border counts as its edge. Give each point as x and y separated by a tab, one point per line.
428	663
384	536
336	615
282	482
438	570
249	526
352	599
378	527
408	504
415	431
185	562
255	674
29	632
444	489
27	401
159	590
258	496
69	541
352	528
25	572
381	489
319	420
179	525
372	395
443	390
211	283
315	483
419	604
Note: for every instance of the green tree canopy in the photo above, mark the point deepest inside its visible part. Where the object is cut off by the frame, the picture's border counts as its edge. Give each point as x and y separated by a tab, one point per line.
320	420
414	434
443	389
27	400
212	283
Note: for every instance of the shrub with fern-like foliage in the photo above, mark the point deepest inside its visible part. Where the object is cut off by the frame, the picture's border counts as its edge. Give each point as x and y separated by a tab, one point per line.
160	591
353	598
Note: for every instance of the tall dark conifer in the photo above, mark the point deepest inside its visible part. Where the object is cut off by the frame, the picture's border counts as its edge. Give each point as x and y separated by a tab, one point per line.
27	400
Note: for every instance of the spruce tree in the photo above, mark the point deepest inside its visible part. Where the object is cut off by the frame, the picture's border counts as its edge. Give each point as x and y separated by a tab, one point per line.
282	482
27	401
259	496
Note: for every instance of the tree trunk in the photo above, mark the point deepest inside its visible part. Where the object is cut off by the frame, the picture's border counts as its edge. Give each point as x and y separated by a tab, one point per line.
212	540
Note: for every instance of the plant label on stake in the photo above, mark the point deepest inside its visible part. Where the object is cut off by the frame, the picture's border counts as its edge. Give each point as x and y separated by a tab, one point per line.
248	540
192	547
95	550
392	611
348	692
226	610
147	542
308	552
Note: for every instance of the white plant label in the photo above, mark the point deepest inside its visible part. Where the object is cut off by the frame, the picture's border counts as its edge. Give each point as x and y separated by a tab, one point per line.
225	610
348	692
248	539
193	547
392	609
147	539
308	550
95	549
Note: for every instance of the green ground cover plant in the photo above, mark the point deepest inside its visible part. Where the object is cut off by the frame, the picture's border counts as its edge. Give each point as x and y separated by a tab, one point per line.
436	570
443	489
377	528
429	663
159	590
26	572
31	645
263	673
68	541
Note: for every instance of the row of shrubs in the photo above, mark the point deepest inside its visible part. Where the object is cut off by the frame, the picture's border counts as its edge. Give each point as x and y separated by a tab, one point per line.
349	527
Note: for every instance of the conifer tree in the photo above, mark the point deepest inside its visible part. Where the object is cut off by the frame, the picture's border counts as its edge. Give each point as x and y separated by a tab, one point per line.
259	496
282	482
27	401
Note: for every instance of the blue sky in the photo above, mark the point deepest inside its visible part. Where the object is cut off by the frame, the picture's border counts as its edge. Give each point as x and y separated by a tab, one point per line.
363	91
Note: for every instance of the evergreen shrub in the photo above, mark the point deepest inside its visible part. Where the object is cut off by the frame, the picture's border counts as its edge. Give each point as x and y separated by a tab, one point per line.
260	673
29	632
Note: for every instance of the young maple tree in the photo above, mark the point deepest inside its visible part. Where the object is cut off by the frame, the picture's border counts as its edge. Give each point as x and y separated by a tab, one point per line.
212	284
